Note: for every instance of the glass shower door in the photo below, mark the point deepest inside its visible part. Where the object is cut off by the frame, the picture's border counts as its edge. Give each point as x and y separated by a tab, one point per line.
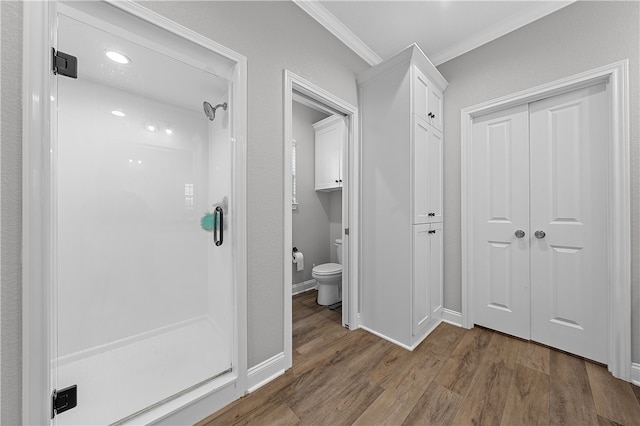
143	260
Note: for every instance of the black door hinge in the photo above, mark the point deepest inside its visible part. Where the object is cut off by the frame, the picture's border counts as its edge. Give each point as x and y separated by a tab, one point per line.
64	64
63	400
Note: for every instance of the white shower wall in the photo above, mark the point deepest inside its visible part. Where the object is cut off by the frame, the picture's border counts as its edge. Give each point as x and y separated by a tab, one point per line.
133	259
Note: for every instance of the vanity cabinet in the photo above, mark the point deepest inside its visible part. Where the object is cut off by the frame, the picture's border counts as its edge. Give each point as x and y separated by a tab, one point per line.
330	135
401	193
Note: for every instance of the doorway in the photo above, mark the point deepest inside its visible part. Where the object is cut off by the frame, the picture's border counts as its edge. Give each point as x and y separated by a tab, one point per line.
550	210
323	102
539	220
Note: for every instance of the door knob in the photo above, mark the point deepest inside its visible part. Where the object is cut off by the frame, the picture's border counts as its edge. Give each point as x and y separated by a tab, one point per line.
539	234
519	233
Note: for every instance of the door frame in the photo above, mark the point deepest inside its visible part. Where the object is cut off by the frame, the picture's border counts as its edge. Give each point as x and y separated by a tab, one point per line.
350	203
616	77
39	27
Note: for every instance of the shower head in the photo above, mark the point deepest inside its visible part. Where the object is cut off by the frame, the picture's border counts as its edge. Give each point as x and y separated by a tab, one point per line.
210	111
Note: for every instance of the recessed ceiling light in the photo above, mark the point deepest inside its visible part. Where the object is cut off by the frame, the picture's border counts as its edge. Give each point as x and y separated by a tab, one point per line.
117	57
151	128
168	132
118	113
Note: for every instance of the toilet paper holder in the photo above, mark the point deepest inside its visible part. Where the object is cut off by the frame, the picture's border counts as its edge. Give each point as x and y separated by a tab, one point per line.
293	253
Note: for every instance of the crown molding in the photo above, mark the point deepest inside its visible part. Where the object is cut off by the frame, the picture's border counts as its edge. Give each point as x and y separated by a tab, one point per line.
540	10
325	18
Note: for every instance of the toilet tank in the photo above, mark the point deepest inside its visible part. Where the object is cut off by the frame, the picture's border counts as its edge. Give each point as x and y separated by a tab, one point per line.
339	249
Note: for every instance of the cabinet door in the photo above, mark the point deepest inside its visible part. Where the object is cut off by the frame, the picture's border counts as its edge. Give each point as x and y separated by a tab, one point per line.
329	140
435	180
421	277
420	95
427	173
434	107
435	268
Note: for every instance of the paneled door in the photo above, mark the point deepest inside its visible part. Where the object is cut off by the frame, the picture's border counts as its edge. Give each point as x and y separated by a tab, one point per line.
501	221
568	151
539	203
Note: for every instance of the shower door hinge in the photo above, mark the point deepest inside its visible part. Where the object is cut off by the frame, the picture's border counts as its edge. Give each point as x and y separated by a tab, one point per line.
63	400
64	64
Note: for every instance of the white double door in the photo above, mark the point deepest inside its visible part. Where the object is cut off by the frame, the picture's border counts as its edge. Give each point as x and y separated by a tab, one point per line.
539	268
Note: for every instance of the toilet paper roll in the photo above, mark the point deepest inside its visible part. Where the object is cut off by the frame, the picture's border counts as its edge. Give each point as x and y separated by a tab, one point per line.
298	259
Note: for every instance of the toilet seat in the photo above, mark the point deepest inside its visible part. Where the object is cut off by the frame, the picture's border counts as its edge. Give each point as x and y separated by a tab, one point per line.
327	269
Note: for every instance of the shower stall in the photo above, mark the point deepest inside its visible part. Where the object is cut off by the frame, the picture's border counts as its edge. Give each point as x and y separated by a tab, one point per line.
145	246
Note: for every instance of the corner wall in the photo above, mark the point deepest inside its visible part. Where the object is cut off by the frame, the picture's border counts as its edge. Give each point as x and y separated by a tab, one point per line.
577	38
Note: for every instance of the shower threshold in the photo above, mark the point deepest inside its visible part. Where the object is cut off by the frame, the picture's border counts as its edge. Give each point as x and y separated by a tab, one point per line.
144	374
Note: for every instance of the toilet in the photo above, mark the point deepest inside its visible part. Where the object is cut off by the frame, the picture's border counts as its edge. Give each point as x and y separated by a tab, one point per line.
329	279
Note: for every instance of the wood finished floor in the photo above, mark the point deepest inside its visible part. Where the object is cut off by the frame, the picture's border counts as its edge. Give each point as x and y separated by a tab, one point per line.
456	376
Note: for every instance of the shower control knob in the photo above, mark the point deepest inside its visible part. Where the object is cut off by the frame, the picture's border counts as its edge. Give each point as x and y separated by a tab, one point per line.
539	234
519	233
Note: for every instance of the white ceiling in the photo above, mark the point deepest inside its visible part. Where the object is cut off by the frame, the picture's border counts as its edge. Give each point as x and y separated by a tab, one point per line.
377	29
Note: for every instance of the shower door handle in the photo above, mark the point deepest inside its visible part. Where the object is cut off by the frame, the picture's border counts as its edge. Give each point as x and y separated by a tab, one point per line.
218	226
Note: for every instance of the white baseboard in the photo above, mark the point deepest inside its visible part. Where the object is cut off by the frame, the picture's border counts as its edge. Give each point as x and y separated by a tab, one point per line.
402	345
635	373
265	372
452	317
304	286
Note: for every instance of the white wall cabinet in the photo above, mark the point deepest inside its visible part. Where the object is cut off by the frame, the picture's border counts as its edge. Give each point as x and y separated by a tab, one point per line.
427	99
330	135
401	219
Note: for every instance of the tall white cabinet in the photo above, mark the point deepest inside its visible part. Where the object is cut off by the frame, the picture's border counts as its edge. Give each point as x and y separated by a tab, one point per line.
401	246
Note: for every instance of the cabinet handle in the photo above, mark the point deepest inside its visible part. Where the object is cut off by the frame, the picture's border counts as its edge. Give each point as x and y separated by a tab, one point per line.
336	180
432	232
431	214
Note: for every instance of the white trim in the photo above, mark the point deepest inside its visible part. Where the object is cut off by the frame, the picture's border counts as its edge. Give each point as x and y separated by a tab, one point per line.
635	373
619	210
497	30
328	20
402	345
304	286
350	203
39	37
452	317
266	371
36	297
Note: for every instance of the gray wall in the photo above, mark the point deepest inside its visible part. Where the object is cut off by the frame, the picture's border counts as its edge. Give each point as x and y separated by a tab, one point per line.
10	213
311	219
335	224
273	36
580	37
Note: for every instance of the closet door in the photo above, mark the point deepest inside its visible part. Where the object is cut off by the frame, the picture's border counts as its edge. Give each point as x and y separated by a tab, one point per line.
568	146
500	221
